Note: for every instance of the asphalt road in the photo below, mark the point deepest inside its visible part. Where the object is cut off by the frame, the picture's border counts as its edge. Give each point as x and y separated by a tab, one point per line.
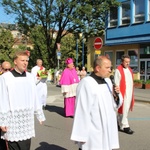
54	134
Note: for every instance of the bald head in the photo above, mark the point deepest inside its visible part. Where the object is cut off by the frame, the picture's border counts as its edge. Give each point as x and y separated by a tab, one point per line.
102	66
6	66
100	60
39	62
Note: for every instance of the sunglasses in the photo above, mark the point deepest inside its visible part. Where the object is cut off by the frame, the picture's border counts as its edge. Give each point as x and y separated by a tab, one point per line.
7	69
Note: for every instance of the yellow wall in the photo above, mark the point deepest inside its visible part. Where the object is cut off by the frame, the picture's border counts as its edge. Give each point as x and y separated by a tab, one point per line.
91	52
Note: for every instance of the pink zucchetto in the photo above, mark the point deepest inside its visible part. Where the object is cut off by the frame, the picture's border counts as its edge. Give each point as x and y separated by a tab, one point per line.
69	61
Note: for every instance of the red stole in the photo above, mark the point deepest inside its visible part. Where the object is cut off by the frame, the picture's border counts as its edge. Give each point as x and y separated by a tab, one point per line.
41	68
123	88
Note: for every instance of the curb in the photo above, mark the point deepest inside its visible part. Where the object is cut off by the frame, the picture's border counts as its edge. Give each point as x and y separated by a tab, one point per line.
142	101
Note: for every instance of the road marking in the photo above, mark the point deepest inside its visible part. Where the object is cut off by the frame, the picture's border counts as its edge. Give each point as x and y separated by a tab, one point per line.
147	118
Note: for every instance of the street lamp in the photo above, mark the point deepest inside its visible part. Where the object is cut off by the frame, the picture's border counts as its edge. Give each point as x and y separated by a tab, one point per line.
58	53
77	50
83	41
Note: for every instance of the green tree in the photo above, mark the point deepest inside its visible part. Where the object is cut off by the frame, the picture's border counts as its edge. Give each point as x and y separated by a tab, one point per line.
67	49
40	50
63	16
6	44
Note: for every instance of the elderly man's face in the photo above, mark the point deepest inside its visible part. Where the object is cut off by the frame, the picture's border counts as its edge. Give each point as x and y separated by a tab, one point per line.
71	65
6	67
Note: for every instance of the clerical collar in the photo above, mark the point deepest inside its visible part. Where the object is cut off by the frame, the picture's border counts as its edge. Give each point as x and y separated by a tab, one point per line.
17	74
123	66
98	79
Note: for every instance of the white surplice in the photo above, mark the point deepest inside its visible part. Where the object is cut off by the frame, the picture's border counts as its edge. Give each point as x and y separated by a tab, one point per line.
18	104
41	85
95	121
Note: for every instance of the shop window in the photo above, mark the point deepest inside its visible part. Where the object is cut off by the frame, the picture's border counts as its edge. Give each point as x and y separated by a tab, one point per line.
126	13
145	50
118	57
113	16
133	59
139	11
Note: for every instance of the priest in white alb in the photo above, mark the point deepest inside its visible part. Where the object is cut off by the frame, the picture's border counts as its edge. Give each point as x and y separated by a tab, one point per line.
124	79
40	81
95	120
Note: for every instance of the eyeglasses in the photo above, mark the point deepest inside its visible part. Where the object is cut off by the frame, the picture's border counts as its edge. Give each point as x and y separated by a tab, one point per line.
7	69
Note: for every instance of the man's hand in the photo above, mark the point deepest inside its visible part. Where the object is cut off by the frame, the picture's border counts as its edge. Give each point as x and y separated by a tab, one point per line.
64	93
82	142
117	89
39	78
4	129
41	122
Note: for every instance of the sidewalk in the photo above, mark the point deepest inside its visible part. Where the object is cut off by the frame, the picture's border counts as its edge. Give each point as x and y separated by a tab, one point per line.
142	95
54	93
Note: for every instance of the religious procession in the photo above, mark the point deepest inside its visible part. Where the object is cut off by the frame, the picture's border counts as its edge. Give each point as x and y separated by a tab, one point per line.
68	71
86	97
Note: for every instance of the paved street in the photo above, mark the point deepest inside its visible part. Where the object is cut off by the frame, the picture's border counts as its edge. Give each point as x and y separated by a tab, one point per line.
54	134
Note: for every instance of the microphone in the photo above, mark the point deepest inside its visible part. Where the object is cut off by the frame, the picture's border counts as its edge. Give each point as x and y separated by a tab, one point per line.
115	94
112	80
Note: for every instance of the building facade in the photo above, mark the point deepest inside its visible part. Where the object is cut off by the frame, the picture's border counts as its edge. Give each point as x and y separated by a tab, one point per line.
127	32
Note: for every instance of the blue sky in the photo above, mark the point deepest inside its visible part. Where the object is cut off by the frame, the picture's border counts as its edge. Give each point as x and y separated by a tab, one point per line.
4	18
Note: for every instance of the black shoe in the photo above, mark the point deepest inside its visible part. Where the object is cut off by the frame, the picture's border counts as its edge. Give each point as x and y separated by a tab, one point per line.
44	107
128	130
119	128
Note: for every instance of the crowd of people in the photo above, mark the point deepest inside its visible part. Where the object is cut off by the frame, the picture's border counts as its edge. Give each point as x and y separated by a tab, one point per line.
89	100
80	73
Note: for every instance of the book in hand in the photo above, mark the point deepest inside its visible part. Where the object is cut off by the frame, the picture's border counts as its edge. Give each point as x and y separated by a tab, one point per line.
42	74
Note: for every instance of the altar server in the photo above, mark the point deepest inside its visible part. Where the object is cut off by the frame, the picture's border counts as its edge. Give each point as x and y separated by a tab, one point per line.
18	104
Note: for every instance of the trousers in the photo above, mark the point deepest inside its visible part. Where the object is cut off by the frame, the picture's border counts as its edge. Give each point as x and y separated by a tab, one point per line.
20	145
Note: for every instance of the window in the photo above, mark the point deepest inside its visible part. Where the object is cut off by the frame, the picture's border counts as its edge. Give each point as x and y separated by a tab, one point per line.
133	59
139	11
145	49
149	10
118	57
113	16
109	54
126	13
133	56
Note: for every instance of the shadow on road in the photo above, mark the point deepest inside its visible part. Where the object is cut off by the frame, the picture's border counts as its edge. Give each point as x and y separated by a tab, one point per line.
57	109
46	146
